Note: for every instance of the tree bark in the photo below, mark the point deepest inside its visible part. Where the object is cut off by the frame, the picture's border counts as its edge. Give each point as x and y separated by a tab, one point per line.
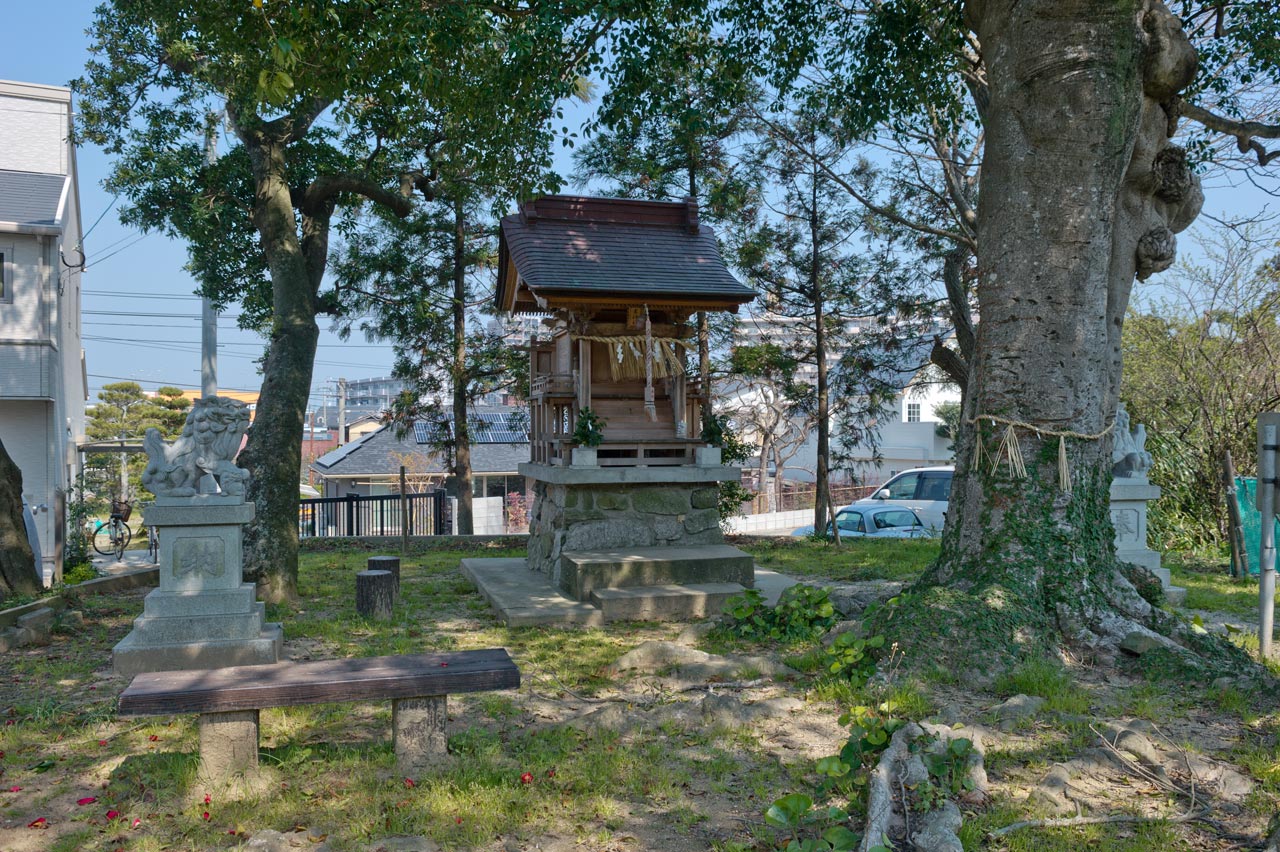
273	454
461	433
17	561
1081	192
822	472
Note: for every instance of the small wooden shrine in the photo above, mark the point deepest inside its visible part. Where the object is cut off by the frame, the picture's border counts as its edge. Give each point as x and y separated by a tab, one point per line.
619	282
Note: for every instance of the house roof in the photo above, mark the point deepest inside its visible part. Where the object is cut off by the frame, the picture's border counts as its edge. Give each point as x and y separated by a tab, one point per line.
897	364
629	250
30	198
380	453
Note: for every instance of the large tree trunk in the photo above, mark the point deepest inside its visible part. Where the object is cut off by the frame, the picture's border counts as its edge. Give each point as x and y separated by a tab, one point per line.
461	433
273	454
1080	192
17	562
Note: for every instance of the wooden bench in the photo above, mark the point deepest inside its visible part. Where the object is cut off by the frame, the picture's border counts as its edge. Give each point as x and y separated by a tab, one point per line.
228	700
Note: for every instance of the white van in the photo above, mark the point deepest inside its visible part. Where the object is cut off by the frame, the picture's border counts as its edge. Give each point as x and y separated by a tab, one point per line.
925	489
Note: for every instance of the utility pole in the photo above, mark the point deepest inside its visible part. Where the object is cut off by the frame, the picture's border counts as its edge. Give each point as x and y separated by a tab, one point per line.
342	411
1268	444
208	316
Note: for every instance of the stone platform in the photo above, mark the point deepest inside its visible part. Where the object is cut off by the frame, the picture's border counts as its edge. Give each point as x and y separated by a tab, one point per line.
203	615
524	598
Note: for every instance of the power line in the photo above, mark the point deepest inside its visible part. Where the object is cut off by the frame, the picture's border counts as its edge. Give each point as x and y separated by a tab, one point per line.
135	314
222	343
114	199
161	382
123	294
88	265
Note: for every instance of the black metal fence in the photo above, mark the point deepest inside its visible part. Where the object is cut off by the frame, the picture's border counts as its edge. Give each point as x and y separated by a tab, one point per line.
357	515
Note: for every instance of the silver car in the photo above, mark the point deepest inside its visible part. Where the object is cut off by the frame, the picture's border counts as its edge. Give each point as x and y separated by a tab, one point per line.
874	522
925	490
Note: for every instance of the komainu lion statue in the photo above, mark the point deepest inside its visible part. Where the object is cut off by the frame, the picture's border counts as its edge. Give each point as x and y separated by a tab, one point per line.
200	460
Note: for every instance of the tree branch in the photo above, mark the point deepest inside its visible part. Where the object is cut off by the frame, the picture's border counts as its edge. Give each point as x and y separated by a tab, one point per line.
878	209
1246	133
326	187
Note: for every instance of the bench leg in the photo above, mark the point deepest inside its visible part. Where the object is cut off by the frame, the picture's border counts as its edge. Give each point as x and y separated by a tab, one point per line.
418	731
228	744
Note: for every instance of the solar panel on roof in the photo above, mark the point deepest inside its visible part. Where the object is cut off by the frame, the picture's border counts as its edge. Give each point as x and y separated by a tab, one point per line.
487	427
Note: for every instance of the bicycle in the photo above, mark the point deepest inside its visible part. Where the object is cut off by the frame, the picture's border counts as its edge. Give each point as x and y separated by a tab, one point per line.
153	545
112	536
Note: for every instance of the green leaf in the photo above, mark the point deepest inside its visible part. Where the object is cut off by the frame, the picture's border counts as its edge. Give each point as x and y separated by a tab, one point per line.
840	838
788	811
832	765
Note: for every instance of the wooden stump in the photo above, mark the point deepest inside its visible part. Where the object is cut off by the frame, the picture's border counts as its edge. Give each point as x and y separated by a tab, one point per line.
386	563
375	594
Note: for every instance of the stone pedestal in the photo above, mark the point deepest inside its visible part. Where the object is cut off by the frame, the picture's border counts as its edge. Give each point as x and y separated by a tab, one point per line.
1129	499
594	528
203	615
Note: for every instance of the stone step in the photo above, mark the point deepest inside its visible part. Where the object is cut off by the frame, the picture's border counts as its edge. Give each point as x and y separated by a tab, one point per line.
583	572
665	602
1175	595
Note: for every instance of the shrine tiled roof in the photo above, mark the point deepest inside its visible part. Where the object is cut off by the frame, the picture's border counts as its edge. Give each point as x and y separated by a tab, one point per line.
633	250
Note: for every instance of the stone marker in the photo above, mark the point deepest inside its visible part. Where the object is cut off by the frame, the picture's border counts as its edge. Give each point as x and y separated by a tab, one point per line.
375	594
203	615
386	563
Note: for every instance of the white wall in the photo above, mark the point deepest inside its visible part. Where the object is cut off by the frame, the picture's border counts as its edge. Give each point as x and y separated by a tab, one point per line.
42	374
486	514
33	134
773	522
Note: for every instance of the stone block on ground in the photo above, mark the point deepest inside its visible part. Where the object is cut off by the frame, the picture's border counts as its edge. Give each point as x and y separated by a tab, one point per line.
664	603
418	731
37	620
583	571
228	745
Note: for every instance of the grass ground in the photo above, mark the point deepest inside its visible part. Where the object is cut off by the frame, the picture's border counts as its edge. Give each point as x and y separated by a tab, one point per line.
669	787
1210	586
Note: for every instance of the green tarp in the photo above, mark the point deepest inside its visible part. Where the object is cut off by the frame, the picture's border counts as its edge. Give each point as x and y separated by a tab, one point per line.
1251	520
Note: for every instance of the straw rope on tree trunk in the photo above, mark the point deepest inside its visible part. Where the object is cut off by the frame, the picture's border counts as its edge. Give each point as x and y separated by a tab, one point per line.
1010	451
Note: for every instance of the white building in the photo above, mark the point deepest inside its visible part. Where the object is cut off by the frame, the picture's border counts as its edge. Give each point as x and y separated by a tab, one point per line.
906	436
43	385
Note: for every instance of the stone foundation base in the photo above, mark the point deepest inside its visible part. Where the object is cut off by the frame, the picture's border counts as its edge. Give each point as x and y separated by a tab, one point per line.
132	656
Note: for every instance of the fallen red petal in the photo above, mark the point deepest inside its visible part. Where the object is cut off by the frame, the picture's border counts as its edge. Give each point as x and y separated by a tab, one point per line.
102	742
38	823
137	822
458	820
551	773
87	800
207	799
153	737
14	789
113	814
526	778
408	782
205	815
